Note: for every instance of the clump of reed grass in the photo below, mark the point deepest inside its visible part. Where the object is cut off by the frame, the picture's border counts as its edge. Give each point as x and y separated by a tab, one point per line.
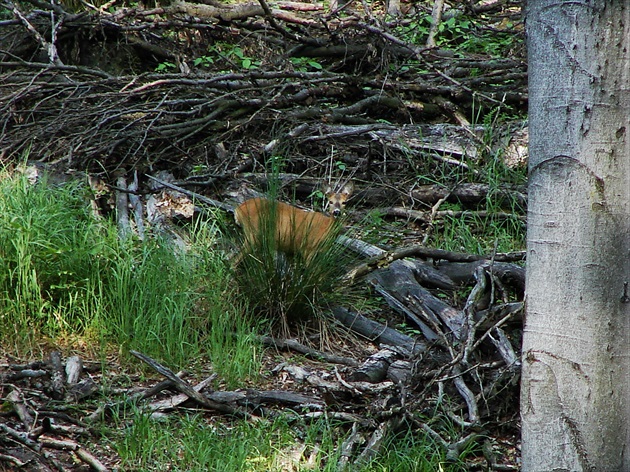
284	287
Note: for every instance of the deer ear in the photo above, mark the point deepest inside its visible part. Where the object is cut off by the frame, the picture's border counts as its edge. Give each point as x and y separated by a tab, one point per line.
327	189
348	188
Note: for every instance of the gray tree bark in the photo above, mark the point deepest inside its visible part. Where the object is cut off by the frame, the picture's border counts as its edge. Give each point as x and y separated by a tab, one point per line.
576	350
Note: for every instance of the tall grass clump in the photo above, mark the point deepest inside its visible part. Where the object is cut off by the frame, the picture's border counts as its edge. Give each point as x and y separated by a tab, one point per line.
50	248
284	286
221	314
146	299
285	280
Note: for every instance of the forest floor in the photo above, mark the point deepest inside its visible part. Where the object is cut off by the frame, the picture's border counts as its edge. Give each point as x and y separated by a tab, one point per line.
221	100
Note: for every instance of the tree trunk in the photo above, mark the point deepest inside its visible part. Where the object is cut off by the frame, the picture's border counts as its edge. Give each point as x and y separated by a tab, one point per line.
576	350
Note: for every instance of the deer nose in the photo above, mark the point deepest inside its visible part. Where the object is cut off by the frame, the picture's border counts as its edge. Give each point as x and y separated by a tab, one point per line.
336	212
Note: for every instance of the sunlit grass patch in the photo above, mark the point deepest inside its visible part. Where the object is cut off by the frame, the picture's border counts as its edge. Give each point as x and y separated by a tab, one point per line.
67	281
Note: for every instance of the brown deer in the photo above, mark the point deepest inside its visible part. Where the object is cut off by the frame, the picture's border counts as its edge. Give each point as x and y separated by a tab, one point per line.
296	231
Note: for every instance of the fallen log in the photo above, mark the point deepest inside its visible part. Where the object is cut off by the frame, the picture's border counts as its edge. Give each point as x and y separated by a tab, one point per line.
378	333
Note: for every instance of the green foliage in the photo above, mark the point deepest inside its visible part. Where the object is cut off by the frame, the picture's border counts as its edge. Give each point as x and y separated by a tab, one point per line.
177	306
193	444
304	64
50	249
204	61
372	225
5	13
246	62
476	235
460	33
147	307
199	169
413	452
227	334
498	222
64	273
234	56
165	67
340	166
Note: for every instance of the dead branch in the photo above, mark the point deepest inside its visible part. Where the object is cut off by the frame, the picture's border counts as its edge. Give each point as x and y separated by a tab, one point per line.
174	401
186	389
194	195
57	384
436	19
80	451
375	443
294	345
429	217
375	367
74	369
16	400
347	448
448	275
122	208
377	332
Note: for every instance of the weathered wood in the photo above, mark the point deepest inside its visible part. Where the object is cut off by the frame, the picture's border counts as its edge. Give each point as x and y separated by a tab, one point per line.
376	441
258	398
505	349
374	368
420	305
79	450
186	389
164	384
348	446
57	388
176	400
122	208
377	332
22	374
136	205
81	390
442	278
294	345
462	273
194	195
74	369
426	217
16	400
467	193
400	371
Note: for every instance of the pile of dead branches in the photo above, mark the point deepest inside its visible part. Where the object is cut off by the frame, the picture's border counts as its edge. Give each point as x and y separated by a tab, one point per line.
79	89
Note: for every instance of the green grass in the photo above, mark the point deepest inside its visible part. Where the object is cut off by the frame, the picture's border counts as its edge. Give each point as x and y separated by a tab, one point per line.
66	280
50	250
480	235
194	443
